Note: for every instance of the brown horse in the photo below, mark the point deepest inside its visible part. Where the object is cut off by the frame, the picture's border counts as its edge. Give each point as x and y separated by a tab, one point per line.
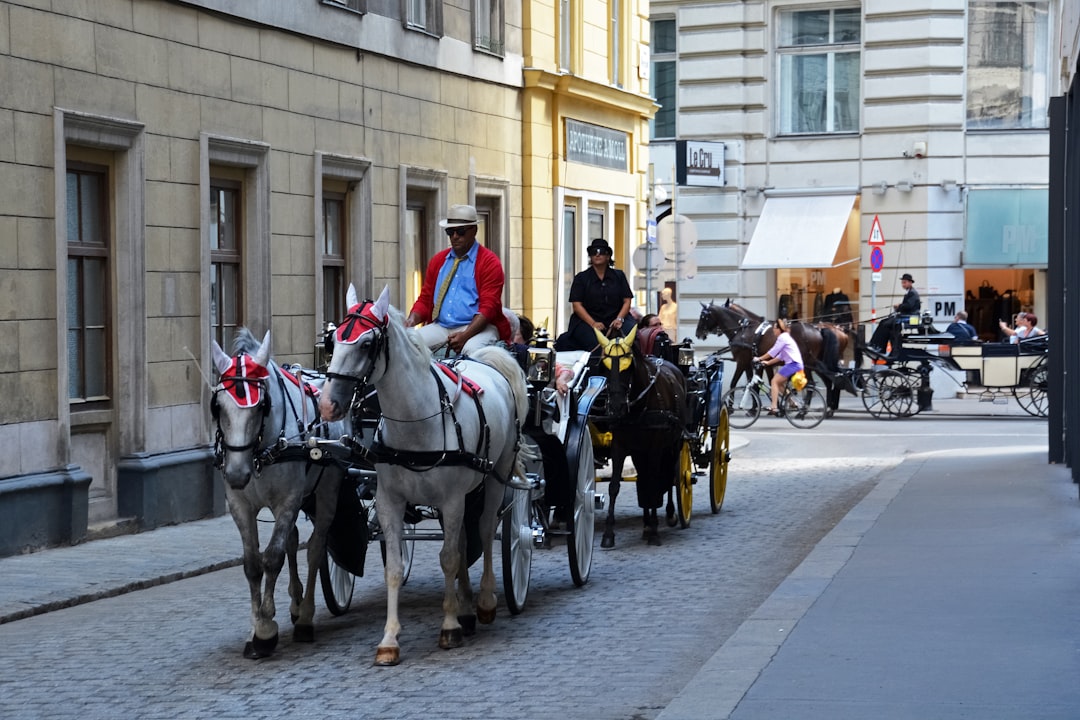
750	335
647	416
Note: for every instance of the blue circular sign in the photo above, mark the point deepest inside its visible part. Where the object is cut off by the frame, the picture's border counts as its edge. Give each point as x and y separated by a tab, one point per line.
877	259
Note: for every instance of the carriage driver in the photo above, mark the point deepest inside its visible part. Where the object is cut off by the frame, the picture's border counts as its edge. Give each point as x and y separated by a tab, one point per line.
461	300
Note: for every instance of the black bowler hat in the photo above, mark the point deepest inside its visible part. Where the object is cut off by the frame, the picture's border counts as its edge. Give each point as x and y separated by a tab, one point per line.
907	276
599	244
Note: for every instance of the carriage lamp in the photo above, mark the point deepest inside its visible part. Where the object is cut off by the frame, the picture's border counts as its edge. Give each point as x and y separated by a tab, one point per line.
541	365
686	355
324	347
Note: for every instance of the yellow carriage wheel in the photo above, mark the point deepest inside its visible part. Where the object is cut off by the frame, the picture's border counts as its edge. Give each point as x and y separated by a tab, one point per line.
718	463
684	485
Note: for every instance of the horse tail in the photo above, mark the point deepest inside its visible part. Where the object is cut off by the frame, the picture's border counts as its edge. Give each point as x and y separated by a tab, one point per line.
830	350
855	340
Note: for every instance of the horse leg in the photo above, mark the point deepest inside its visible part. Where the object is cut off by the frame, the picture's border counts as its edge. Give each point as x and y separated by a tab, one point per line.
669	510
489	521
296	590
326	495
273	560
451	559
652	527
391	519
618	459
244	515
466	616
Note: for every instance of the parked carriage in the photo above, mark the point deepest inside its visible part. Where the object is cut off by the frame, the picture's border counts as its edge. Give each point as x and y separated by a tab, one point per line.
898	385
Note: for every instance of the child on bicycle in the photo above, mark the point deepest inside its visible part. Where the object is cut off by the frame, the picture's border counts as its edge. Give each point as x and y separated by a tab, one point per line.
785	351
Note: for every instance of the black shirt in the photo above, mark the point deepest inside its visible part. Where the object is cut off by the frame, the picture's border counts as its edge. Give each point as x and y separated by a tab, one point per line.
603	299
911	303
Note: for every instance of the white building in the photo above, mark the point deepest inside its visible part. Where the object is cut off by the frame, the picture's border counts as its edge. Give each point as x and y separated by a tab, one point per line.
930	115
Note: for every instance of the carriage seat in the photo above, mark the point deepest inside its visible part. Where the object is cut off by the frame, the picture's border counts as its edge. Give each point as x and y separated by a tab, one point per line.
647	340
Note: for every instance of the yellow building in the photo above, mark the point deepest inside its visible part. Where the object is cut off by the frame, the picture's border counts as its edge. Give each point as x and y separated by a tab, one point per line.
585	113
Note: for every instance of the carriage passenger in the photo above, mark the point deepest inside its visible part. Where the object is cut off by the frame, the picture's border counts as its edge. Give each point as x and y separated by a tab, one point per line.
785	351
600	297
961	329
465	312
1026	327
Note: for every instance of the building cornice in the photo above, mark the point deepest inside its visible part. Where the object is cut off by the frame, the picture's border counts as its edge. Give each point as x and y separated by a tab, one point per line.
579	88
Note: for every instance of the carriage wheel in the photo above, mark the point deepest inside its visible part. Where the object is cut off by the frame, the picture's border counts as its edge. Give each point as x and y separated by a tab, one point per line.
337	585
408	547
898	392
517	549
684	484
582	528
718	462
805	408
743	405
1033	398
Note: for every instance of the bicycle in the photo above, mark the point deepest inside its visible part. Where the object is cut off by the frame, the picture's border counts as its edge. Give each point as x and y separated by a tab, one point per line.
804	408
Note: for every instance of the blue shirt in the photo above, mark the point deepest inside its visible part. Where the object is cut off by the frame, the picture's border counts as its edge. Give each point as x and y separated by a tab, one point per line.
462	301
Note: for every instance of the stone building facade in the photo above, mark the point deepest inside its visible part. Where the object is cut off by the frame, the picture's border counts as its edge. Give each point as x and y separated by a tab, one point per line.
171	170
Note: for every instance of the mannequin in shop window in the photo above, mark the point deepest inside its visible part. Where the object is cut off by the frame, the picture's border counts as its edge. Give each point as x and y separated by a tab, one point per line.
837	308
669	314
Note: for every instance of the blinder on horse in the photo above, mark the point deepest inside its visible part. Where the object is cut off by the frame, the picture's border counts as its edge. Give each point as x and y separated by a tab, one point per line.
244	383
359	321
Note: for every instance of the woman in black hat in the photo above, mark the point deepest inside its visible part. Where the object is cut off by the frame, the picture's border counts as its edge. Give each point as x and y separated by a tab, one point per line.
600	297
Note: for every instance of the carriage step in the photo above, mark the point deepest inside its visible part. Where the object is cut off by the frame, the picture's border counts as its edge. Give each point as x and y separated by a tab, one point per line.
600	501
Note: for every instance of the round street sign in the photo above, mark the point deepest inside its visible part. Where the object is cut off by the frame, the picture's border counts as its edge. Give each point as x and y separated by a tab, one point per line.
647	257
877	259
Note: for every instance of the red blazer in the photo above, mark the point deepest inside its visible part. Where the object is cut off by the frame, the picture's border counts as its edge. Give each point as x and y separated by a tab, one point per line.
489	283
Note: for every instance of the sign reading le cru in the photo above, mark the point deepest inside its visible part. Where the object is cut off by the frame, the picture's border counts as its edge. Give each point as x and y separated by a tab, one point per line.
595	145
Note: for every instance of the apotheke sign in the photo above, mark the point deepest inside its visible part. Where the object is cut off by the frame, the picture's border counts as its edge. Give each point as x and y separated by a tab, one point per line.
595	145
699	163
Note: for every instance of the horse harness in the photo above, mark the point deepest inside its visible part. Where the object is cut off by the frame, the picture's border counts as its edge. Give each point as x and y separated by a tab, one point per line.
257	382
356	323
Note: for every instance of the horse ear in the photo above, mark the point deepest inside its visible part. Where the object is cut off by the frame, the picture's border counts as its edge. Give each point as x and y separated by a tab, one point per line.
604	342
350	297
262	355
630	337
382	304
221	360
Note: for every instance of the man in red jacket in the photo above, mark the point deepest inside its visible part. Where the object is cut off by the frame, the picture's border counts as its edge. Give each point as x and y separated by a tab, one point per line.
461	300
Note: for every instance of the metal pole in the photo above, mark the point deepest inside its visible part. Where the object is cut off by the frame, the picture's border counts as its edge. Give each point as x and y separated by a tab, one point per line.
651	202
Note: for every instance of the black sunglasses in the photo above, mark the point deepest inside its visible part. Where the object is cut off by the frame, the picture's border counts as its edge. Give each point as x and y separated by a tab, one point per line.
452	231
599	251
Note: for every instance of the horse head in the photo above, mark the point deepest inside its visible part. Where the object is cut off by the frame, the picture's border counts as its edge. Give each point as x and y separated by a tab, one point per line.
720	319
358	342
240	406
618	357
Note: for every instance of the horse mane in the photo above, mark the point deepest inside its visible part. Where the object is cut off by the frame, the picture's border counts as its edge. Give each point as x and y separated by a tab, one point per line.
413	337
245	341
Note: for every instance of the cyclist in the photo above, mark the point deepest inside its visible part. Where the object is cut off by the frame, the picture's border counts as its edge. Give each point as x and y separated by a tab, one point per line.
785	351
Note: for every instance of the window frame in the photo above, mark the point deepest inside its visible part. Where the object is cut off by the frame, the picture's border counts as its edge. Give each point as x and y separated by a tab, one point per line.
336	263
666	59
830	48
80	251
229	257
430	24
1034	118
489	15
355	6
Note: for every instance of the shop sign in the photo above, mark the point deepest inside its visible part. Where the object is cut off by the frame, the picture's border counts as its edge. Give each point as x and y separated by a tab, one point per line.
699	163
595	145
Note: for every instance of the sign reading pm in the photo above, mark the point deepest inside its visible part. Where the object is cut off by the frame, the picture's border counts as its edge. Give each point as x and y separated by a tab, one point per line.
699	163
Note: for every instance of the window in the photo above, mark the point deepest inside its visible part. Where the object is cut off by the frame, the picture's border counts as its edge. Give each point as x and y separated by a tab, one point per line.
1008	64
615	42
333	256
354	5
425	15
88	284
417	241
488	26
663	79
819	55
225	261
565	39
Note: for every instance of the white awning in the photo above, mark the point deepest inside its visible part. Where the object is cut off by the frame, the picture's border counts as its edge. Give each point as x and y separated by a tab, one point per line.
799	232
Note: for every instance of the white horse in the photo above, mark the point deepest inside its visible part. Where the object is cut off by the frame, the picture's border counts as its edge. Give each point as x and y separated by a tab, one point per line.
263	416
437	441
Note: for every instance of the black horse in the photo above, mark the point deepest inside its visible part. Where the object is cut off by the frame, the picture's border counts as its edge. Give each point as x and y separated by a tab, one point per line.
647	416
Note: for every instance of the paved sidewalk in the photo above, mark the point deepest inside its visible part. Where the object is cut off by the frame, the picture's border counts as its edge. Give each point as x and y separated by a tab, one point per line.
950	591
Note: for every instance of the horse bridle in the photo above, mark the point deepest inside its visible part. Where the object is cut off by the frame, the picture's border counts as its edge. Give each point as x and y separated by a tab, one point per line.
220	446
348	328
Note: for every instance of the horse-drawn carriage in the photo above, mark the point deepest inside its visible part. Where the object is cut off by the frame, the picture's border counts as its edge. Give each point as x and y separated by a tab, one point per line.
898	384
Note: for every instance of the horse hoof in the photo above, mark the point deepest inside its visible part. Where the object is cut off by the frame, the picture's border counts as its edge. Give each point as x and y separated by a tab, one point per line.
653	539
450	639
486	617
671	519
468	624
607	542
293	617
258	648
387	656
303	633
